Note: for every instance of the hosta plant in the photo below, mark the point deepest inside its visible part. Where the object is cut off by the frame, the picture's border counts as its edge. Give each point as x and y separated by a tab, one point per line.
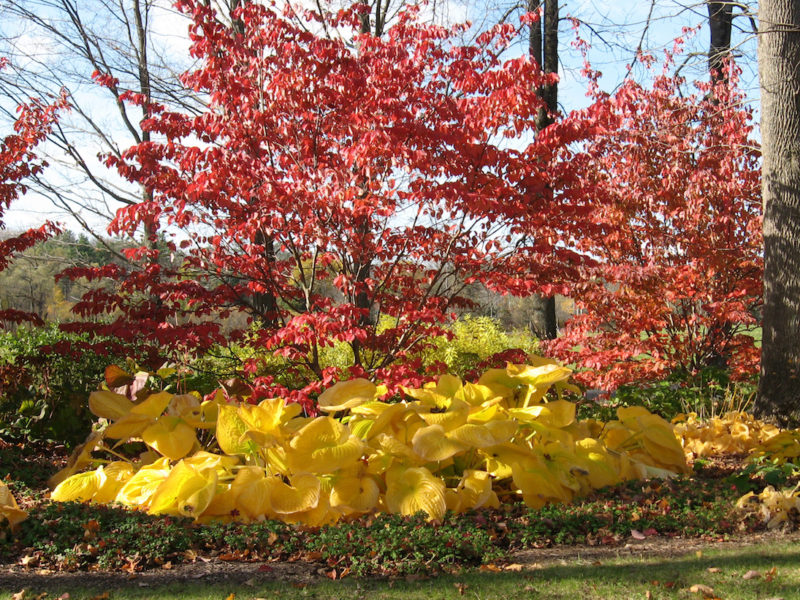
448	445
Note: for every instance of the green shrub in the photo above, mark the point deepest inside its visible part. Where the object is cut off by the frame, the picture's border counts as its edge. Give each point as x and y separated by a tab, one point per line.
45	377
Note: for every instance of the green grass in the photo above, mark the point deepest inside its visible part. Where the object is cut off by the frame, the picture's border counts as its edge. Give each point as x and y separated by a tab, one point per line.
630	577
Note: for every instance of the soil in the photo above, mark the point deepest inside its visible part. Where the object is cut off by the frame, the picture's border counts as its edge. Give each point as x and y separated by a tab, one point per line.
218	572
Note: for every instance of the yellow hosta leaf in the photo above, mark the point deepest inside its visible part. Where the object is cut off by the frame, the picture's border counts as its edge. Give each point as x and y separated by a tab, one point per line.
433	445
231	432
251	493
355	494
538	376
127	427
538	485
138	490
115	475
154	405
302	495
455	415
501	458
109	405
474	436
186	491
347	394
473	491
475	394
415	489
170	437
323	446
9	509
80	457
601	468
374	418
203	460
78	488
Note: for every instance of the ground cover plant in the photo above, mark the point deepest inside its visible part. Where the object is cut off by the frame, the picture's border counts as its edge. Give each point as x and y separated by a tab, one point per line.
707	502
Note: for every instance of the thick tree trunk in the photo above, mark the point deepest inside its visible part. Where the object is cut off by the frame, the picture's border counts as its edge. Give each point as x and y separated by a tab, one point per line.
778	60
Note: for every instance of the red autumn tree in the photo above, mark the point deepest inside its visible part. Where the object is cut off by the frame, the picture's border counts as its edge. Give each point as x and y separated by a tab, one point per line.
18	162
341	187
677	278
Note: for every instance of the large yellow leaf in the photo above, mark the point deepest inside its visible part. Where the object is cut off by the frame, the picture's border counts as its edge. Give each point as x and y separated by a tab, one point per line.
474	436
323	446
78	488
170	437
127	427
80	457
538	485
115	475
231	432
475	394
433	445
347	394
455	415
186	491
415	489
9	509
500	459
109	405
302	495
355	494
538	376
154	405
251	491
138	490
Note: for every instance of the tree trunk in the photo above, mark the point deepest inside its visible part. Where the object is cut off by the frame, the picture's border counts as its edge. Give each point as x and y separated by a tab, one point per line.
720	22
543	47
778	58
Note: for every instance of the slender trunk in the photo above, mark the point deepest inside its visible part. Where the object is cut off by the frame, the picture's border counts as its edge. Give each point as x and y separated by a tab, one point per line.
543	46
720	21
778	57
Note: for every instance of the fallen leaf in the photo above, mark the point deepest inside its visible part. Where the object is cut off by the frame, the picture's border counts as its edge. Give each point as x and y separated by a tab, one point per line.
167	565
461	587
491	568
751	574
637	535
299	586
713	569
513	567
20	595
699	554
705	590
264	568
648	595
103	596
231	597
769	576
28	561
272	538
251	582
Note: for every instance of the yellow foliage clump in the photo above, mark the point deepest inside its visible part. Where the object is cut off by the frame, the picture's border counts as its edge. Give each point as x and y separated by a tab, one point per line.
734	433
448	445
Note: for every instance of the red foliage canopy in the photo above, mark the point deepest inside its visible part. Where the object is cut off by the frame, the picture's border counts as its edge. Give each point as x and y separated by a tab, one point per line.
343	189
677	280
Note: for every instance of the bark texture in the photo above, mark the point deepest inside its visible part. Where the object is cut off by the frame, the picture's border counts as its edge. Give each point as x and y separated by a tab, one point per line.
779	71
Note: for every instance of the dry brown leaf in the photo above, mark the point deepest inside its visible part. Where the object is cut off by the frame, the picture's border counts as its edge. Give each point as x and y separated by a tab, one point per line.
461	587
713	569
769	575
20	595
513	567
637	535
751	574
699	588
